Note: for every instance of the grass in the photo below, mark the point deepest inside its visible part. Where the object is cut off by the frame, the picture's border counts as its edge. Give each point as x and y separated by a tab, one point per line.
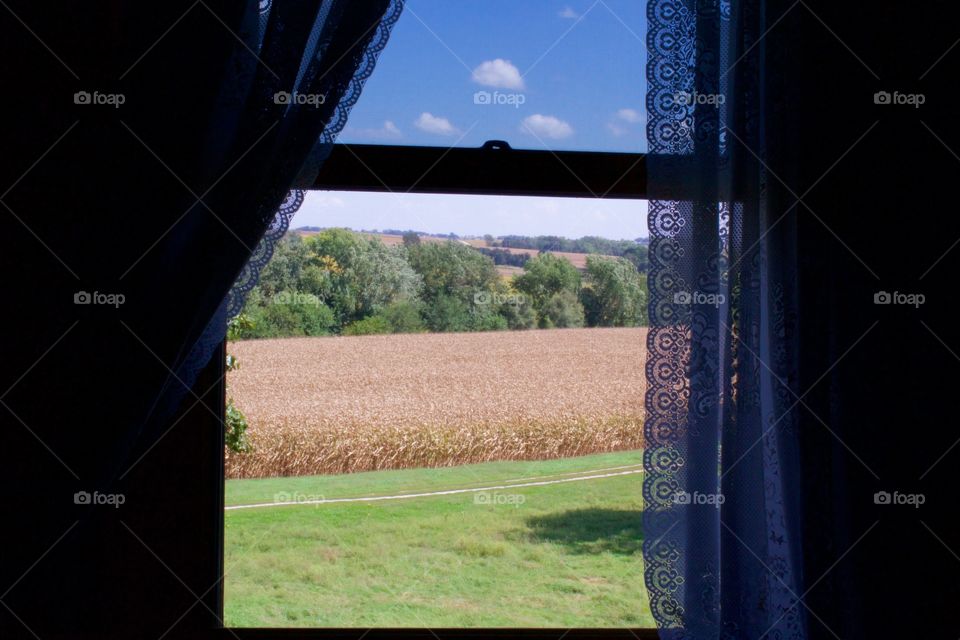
560	555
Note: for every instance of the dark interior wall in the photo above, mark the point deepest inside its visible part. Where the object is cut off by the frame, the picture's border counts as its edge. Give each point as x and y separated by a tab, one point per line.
876	221
84	200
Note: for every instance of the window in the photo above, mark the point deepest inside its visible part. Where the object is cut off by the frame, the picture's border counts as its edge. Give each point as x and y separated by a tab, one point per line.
468	472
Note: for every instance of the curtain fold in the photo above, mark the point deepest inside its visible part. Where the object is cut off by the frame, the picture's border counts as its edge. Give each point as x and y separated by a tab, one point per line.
722	545
306	137
164	202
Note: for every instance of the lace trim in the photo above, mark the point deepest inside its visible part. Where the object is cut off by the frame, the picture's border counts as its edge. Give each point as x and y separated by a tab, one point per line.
233	303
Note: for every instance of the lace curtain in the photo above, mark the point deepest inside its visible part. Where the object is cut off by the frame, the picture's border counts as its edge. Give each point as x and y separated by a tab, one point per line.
354	79
722	549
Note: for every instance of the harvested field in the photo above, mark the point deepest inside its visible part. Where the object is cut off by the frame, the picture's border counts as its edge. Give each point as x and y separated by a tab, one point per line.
338	405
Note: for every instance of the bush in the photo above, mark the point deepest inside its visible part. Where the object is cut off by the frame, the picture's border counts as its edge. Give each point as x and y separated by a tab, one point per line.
447	313
373	325
563	311
235	434
519	316
289	314
404	317
488	320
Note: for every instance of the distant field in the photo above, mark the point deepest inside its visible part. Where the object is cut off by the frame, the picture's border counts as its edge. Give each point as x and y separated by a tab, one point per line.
579	260
336	405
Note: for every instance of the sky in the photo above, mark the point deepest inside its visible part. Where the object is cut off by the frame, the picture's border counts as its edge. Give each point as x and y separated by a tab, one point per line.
539	74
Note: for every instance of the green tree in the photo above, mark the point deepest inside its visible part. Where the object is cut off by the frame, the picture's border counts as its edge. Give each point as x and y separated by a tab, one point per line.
404	317
562	310
461	287
545	276
364	275
615	295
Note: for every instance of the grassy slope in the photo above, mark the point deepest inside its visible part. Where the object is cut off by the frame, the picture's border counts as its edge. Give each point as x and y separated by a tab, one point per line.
569	555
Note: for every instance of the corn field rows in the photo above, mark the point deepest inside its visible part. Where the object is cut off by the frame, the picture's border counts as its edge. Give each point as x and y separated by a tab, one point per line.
340	405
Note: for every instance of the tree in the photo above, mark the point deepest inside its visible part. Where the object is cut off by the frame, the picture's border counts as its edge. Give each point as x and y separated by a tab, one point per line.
545	276
563	311
452	269
615	295
364	274
404	317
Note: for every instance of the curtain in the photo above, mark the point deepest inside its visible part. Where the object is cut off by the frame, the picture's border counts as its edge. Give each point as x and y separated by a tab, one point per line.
342	82
127	225
722	545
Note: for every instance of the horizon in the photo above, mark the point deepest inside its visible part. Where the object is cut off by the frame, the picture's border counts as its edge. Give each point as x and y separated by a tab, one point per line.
476	216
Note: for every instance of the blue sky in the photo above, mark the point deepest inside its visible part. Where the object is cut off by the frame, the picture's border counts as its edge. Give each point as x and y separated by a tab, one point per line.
567	75
550	75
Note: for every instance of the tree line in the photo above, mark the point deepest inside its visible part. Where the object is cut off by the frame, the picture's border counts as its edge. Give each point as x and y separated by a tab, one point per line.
342	282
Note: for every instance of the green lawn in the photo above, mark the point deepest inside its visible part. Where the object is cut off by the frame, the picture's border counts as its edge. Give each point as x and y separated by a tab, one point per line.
560	555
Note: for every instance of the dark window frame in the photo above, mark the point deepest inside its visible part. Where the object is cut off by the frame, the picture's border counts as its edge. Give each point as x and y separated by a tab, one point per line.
496	170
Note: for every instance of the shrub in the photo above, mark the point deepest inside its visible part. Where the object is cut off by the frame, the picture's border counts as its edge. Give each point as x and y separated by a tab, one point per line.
563	311
368	326
404	317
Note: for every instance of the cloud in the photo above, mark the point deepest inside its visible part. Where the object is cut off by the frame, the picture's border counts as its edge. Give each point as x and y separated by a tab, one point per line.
617	130
436	125
619	125
569	14
326	200
388	130
500	74
546	127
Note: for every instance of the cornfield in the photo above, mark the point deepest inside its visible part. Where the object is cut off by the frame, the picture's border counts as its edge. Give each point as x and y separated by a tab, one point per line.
340	405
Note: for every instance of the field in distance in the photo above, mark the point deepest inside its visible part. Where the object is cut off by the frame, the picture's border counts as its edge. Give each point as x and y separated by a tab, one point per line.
579	260
348	404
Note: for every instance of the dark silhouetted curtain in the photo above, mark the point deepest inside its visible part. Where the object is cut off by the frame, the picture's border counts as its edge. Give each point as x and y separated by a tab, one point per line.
157	152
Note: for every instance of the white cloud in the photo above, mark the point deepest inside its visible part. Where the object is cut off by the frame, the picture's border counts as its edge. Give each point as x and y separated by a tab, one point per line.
388	130
327	201
500	74
569	14
547	127
617	130
630	115
436	125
